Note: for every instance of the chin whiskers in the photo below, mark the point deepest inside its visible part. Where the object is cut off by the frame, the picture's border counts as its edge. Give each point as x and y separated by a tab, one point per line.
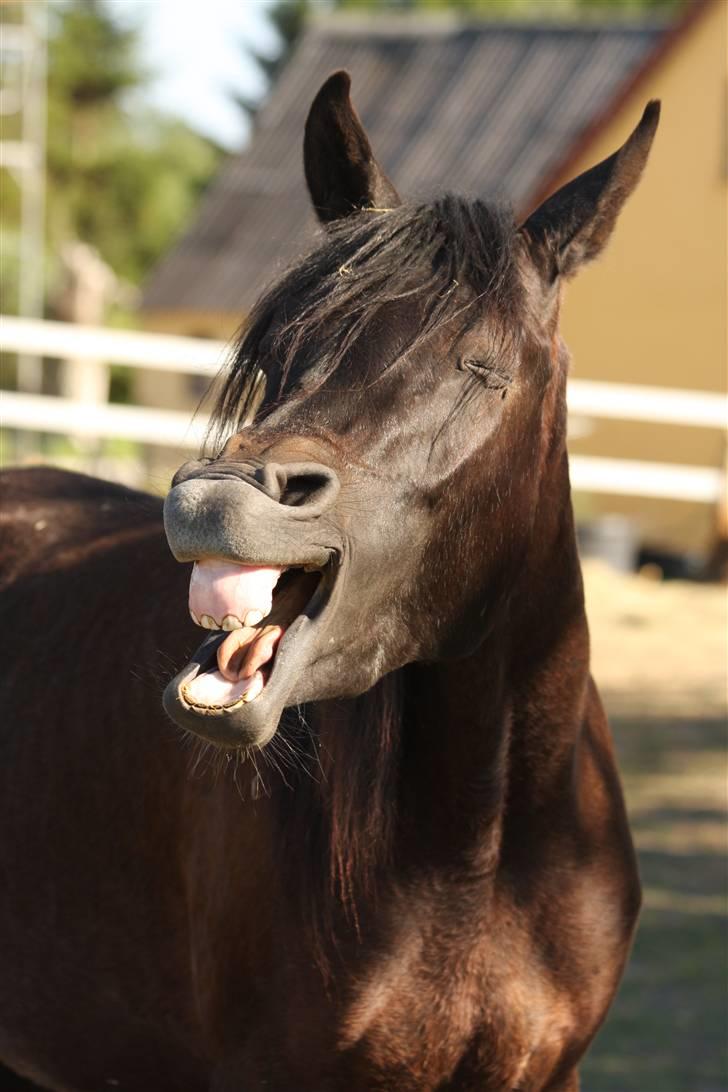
292	753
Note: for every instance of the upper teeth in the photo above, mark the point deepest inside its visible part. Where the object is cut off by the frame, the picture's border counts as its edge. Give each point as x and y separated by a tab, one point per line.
228	596
231	622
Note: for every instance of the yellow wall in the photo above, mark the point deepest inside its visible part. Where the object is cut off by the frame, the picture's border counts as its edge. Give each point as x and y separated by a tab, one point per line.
653	309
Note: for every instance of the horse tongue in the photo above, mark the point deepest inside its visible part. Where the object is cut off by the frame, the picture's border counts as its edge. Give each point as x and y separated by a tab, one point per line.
224	595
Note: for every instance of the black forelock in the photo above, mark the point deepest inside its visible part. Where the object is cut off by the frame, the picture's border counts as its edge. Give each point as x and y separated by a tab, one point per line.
444	256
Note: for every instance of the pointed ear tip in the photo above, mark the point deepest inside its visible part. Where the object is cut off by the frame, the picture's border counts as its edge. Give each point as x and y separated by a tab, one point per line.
332	92
338	84
651	114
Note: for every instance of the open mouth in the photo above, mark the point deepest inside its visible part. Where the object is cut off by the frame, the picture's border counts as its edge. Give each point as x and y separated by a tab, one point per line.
251	608
257	658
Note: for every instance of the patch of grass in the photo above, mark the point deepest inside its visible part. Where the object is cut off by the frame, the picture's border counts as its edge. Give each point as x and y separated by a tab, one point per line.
667	1029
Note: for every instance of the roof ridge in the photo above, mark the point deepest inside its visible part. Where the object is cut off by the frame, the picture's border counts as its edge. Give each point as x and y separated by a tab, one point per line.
396	24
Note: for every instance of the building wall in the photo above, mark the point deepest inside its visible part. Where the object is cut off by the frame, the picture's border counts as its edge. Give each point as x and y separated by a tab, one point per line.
653	309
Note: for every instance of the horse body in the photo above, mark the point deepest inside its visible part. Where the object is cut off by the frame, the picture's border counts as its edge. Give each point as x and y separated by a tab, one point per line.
74	936
187	963
424	879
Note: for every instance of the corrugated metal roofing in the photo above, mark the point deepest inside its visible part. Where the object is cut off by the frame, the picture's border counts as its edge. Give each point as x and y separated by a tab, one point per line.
489	110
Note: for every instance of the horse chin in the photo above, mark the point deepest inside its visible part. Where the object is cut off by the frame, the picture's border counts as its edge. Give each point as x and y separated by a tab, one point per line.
250	720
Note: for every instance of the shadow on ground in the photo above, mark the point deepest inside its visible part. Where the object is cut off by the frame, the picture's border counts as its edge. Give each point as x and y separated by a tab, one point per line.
666	1031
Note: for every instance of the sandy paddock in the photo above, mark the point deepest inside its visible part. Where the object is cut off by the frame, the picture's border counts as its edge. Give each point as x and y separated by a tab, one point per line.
660	657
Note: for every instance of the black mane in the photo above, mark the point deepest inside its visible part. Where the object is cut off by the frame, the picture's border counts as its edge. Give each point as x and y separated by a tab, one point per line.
444	256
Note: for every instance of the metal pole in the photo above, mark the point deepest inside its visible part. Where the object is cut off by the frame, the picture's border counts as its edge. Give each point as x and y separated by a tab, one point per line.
31	286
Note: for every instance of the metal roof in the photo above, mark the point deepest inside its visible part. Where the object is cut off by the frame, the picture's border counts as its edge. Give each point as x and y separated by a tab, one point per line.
488	110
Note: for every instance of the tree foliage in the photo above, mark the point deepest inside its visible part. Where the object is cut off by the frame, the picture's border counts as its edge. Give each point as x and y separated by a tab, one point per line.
118	176
288	18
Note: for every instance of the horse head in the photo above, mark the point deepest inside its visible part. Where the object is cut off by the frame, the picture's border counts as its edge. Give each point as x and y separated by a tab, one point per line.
391	436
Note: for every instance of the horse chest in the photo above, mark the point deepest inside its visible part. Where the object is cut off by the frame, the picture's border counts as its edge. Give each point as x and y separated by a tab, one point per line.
442	1011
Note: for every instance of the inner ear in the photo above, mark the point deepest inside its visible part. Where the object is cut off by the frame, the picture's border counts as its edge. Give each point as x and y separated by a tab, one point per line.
341	172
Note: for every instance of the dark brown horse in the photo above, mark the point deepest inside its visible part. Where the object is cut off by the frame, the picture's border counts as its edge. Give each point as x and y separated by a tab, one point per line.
399	859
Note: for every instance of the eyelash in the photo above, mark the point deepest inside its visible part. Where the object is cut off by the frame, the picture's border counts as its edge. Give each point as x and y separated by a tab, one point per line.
487	372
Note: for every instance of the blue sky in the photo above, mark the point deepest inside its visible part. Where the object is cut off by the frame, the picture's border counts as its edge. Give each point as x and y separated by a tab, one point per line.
195	48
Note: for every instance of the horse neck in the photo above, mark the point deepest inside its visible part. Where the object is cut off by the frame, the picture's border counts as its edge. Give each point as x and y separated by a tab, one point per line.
416	773
508	713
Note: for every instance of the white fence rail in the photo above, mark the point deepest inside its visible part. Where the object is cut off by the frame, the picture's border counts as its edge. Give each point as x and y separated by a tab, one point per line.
663	405
44	413
64	341
160	352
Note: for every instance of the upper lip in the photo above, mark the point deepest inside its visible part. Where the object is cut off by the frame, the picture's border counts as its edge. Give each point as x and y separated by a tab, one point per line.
212	518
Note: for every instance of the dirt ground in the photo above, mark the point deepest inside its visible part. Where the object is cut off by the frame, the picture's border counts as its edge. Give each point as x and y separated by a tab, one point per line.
660	657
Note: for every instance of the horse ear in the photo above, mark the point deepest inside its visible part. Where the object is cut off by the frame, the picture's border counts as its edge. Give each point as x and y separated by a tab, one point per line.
342	174
574	224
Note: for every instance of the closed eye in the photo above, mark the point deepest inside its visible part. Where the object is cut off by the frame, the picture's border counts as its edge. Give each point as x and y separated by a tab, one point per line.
489	373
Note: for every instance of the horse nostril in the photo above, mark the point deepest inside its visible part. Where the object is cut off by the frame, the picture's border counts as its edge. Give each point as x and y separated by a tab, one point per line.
310	486
303	489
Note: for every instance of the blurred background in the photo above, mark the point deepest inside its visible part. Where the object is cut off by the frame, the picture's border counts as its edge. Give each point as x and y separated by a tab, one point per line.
152	185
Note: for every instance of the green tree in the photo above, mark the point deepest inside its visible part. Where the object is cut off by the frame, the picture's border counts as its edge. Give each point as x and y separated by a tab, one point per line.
288	18
118	176
122	179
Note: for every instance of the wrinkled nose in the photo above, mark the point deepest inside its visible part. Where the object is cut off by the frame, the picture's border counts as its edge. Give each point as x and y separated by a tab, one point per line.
309	487
255	512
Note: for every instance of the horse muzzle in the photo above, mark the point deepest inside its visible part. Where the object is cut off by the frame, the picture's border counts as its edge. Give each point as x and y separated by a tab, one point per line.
267	555
269	514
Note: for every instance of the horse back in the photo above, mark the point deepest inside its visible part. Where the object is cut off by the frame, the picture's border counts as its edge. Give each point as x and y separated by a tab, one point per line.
93	782
48	516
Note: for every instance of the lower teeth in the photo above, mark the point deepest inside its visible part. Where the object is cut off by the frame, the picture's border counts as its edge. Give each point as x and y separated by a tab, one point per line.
211	692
